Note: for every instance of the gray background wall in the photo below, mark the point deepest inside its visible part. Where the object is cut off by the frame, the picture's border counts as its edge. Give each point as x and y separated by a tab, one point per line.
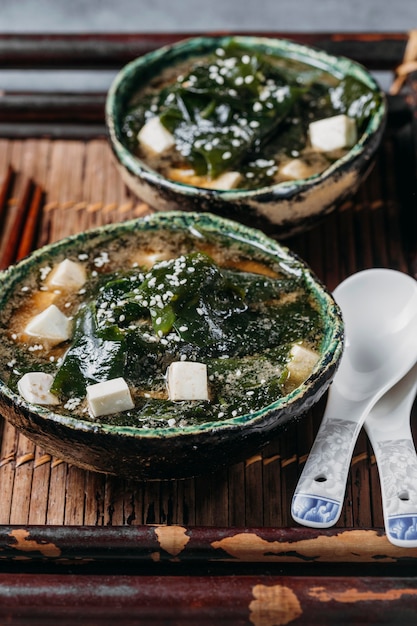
201	15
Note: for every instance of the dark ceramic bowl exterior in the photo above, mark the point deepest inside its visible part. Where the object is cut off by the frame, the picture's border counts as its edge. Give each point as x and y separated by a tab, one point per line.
167	453
282	209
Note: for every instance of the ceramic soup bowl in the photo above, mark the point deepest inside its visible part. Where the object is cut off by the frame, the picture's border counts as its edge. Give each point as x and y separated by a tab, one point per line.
97	332
233	137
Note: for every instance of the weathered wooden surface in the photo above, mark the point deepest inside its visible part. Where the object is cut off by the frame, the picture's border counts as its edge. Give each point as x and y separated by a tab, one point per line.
55	515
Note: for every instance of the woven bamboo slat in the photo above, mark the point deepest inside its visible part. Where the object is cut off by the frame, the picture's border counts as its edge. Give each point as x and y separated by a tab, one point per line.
38	489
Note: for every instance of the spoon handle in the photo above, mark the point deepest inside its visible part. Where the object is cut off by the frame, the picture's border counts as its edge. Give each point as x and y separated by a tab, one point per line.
389	431
320	492
397	466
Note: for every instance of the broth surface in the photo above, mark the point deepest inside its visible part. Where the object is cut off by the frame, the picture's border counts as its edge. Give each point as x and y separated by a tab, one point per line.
151	299
243	112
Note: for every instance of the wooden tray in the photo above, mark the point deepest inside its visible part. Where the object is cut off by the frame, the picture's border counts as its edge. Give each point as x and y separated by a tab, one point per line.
55	515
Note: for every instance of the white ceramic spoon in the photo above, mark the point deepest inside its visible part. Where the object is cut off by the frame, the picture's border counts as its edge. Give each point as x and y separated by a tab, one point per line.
389	431
379	308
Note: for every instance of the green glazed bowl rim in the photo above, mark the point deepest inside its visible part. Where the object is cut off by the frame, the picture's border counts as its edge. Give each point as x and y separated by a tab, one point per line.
162	57
332	344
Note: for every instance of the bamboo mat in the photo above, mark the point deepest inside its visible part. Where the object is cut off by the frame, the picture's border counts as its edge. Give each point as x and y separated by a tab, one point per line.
83	190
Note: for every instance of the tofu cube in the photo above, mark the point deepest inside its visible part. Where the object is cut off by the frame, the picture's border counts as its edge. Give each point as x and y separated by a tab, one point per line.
333	133
51	325
68	275
301	364
110	396
153	136
187	381
228	180
296	169
35	388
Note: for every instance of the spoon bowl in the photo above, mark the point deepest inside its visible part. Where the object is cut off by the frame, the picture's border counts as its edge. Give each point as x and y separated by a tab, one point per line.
379	308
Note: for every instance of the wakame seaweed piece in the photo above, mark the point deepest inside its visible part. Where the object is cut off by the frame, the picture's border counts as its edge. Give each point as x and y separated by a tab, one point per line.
258	287
250	381
94	356
144	363
115	304
272	325
354	99
191	296
225	108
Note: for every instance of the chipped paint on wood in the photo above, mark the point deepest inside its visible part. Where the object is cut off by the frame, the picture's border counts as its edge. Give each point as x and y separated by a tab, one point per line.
25	544
353	595
172	539
359	546
275	605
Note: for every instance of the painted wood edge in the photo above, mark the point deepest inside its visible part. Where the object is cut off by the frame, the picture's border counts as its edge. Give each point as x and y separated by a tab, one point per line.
178	544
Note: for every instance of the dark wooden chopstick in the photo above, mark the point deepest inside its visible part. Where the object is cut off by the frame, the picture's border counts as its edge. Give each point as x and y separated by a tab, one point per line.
28	235
22	228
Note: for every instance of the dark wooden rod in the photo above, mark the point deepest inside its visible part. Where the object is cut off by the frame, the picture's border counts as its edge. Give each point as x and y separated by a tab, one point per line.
232	600
176	544
17	218
375	50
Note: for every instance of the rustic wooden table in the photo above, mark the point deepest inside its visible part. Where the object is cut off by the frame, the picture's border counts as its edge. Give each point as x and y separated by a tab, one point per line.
220	548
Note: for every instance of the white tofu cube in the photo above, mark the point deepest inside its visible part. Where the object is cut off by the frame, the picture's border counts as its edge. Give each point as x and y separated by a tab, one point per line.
187	381
296	169
68	275
155	137
35	388
51	325
228	180
110	396
302	362
333	133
